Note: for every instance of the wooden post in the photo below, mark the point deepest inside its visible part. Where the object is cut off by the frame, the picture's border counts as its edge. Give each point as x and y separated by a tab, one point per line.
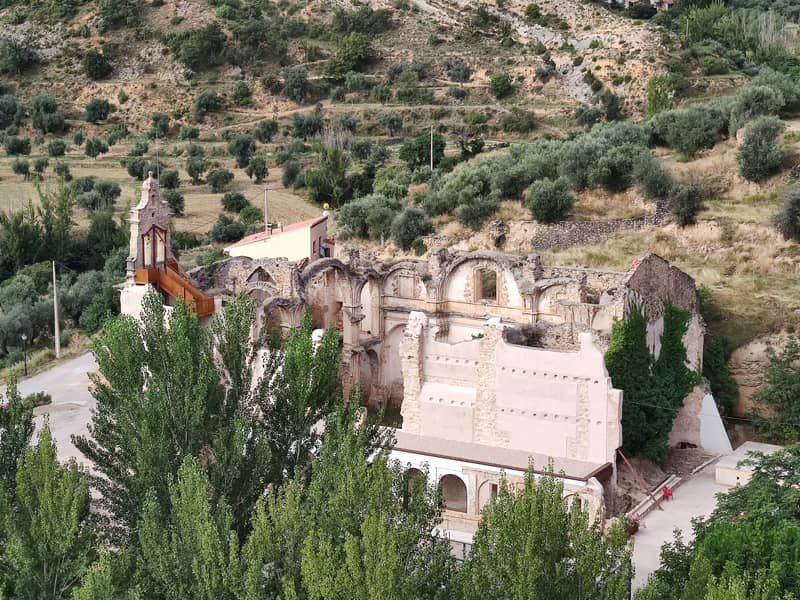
640	480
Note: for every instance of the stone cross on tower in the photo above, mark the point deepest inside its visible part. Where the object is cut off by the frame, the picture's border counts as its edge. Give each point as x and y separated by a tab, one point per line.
151	215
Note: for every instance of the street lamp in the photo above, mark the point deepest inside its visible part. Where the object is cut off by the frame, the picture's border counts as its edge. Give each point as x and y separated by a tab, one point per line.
25	351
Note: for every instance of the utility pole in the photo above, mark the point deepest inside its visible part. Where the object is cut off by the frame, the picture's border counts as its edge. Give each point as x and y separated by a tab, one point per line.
55	313
431	148
266	213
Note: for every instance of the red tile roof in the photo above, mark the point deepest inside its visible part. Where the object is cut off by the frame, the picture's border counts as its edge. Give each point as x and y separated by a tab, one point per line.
263	235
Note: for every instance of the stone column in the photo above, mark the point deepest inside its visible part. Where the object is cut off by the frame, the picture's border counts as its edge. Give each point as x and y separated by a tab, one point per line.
410	358
484	416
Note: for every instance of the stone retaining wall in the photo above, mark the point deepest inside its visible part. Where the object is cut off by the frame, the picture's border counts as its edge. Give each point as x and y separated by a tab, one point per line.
576	233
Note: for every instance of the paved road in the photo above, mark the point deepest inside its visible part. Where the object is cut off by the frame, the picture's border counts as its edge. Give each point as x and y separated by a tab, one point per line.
694	498
70	412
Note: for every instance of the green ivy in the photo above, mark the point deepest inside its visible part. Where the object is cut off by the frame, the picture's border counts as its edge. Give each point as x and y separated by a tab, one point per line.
654	388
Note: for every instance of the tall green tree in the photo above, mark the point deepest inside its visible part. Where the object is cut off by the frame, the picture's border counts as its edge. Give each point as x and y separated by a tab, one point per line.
47	536
160	398
190	551
16	429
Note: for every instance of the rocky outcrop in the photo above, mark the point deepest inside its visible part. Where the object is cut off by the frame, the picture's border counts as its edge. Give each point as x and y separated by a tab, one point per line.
748	365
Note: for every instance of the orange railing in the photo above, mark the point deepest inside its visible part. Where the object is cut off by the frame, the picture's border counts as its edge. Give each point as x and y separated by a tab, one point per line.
177	285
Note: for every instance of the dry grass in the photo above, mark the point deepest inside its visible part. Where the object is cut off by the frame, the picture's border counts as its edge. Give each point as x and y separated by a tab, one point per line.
594	205
202	206
751	272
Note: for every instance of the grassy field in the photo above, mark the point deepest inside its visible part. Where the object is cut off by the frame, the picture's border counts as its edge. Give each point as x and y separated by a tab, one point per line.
202	206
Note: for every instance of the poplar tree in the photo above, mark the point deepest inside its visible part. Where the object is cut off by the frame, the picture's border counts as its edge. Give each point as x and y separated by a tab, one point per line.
16	429
160	398
191	551
530	545
47	536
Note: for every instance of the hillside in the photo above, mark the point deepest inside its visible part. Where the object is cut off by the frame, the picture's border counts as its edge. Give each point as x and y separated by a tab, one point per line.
622	128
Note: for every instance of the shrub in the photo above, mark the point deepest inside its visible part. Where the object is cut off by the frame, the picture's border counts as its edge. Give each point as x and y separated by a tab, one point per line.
207	102
291	171
242	95
753	101
689	130
170	179
347	122
175	200
78	138
15	146
265	131
337	94
458	70
368	217
46	116
588	115
242	148
251	215
353	52
97	110
219	179
202	48
226	230
306	126
382	93
118	131
500	85
15	57
684	202
109	191
550	201
194	151
139	148
295	83
195	167
160	125
393	122
788	220
519	121
62	170
189	133
95	65
614	169
417	152
95	147
474	211
21	167
56	148
354	81
410	225
257	168
136	167
761	153
783	83
10	111
612	106
653	177
40	165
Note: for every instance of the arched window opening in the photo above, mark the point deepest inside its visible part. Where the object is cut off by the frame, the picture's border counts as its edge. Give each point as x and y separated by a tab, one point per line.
454	493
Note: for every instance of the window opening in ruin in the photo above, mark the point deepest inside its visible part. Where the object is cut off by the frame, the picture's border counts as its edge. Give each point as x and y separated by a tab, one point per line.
493	490
454	493
487	285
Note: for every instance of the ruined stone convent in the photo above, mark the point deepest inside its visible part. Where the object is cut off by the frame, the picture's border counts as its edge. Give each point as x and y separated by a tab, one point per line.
489	361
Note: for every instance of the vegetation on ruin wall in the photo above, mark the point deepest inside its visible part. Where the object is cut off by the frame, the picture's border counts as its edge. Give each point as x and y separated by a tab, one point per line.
748	549
653	388
776	414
